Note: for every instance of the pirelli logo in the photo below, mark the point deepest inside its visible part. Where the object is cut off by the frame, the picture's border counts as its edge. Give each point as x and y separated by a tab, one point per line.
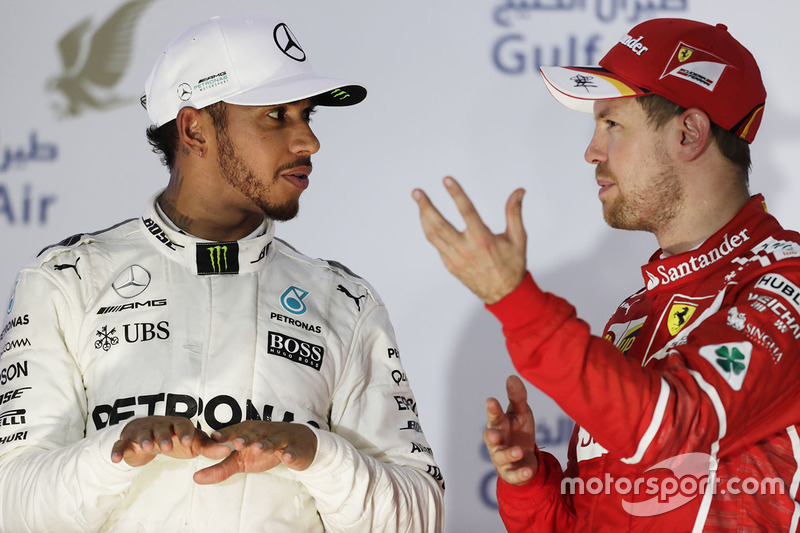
218	258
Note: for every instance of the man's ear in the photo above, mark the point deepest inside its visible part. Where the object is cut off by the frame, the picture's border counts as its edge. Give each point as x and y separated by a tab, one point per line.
191	131
695	133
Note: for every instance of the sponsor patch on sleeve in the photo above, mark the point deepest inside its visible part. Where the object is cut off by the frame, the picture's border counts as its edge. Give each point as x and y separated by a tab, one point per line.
731	360
777	284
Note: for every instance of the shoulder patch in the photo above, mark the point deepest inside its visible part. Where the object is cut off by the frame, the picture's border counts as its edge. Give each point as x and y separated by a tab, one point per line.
78	237
340	266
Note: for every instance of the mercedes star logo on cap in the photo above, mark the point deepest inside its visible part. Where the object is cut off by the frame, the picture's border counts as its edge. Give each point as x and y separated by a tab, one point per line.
184	91
287	42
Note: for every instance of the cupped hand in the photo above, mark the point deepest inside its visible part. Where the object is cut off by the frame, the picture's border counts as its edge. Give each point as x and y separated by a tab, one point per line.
174	436
510	436
260	446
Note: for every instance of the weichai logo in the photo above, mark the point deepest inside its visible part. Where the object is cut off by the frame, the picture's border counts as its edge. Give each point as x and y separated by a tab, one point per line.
218	258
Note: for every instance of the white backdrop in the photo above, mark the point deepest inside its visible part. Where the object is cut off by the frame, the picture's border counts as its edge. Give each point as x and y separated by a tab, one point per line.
454	90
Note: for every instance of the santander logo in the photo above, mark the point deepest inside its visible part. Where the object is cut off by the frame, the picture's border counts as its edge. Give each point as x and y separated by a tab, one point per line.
665	274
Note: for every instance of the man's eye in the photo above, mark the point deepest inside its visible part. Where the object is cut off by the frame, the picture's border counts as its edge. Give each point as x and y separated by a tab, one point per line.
611	123
308	113
277	114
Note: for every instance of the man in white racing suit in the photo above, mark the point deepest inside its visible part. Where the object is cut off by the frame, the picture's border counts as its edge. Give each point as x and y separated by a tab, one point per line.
186	370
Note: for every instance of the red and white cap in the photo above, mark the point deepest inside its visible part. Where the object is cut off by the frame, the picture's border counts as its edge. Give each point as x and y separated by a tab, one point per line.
245	59
690	63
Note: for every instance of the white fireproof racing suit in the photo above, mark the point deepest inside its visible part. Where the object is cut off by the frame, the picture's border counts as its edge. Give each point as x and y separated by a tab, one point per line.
141	320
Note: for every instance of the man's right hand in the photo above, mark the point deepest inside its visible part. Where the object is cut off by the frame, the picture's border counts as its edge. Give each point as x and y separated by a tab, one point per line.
511	435
174	436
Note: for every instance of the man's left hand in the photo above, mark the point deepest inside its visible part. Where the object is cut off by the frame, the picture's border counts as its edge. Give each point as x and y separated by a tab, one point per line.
490	265
260	446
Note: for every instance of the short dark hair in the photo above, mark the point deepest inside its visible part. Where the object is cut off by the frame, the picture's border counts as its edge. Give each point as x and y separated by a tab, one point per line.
164	139
659	111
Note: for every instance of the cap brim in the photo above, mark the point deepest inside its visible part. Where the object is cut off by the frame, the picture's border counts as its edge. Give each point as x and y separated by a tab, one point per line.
327	91
579	87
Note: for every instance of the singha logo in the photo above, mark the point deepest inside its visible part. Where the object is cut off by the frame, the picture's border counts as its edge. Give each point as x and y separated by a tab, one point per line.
94	63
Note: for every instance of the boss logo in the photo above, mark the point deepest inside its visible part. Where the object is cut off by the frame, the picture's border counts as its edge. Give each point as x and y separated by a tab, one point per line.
295	350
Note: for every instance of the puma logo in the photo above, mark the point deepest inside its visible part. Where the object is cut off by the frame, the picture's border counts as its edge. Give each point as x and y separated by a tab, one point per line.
341	288
67	265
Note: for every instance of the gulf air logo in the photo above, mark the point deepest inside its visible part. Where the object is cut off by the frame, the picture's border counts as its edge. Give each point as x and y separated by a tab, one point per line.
292	300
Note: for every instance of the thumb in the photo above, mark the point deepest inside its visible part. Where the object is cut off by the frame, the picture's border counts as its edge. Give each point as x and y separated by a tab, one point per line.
218	472
514	226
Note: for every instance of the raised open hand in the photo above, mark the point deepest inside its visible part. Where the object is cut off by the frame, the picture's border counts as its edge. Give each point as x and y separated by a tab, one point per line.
490	265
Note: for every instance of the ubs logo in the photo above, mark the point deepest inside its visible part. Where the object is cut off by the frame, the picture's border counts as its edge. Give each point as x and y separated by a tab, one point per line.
287	42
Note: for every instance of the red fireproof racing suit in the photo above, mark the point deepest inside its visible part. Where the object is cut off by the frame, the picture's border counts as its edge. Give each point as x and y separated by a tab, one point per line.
687	409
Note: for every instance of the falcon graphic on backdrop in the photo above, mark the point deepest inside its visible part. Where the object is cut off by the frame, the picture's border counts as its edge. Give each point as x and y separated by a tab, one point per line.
94	63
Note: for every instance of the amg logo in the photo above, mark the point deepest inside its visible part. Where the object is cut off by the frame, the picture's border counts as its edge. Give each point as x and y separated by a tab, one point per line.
133	305
208	78
295	350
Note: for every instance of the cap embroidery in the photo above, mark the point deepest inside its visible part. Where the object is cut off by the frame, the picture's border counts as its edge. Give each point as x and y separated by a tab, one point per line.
634	44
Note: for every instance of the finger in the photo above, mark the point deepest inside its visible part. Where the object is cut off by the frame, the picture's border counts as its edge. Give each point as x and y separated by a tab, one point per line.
465	205
225	434
220	471
437	228
162	435
505	458
517	395
203	445
185	431
118	450
494	413
514	226
493	438
516	476
301	449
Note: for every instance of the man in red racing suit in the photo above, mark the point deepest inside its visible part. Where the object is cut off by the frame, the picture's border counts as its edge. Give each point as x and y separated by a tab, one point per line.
687	409
710	368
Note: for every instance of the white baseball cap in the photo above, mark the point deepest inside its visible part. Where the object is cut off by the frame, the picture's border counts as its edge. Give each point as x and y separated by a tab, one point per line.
244	59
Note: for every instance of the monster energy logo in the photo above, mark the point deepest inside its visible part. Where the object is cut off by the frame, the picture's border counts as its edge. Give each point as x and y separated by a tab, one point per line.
218	258
340	94
222	255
